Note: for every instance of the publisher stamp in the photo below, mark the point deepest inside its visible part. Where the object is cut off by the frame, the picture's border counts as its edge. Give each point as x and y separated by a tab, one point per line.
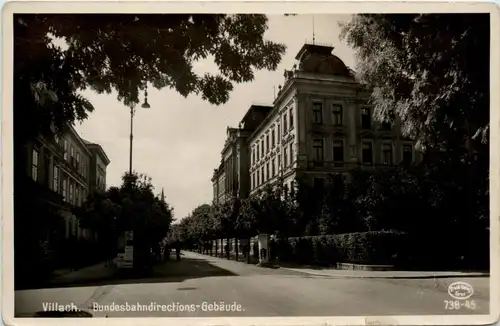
460	292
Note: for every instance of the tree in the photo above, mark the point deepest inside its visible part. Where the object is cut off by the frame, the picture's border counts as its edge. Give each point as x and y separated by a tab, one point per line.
227	214
308	201
202	223
175	236
132	206
431	70
125	52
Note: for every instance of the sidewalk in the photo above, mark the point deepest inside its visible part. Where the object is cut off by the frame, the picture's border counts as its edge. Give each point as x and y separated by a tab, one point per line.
330	272
345	273
89	273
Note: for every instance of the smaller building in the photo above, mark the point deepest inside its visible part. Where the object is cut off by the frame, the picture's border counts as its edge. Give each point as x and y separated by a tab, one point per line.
99	161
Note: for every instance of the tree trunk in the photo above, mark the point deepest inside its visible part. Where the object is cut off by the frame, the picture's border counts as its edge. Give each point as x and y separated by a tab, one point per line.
247	249
211	247
228	256
216	247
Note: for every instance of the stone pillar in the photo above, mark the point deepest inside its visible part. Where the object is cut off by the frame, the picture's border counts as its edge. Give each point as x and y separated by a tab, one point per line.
263	240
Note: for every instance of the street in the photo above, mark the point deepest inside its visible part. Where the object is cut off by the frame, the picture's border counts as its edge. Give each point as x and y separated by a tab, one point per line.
197	285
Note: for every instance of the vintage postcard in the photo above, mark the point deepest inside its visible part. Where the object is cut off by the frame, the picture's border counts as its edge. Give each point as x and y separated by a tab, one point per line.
250	163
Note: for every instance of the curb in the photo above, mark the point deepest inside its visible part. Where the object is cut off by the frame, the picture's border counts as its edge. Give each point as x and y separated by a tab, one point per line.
388	276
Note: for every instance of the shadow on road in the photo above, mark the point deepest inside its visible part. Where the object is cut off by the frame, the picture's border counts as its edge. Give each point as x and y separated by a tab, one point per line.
170	271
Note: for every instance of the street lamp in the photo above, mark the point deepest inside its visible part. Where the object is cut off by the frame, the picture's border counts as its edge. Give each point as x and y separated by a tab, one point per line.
145	105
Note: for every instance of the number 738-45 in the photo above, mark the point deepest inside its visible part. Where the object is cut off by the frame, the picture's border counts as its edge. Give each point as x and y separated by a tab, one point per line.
457	305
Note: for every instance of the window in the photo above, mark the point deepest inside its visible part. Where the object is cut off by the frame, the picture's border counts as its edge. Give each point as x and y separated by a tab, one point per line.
386	125
262	148
279	134
258	152
285	124
65	189
71	199
78	161
34	165
291	118
367	153
317	112
258	178
77	195
279	161
387	154
337	114
366	118
285	157
66	149
338	151
318	150
55	183
267	143
291	153
273	167
273	139
252	185
407	153
262	174
267	171
72	155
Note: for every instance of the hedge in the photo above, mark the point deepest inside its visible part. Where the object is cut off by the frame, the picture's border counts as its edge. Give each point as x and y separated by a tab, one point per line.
375	247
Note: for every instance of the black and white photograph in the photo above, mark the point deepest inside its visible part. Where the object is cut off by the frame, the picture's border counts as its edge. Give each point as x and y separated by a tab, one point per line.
318	164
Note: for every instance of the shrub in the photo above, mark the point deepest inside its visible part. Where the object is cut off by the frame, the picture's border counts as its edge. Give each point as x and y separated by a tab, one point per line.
374	247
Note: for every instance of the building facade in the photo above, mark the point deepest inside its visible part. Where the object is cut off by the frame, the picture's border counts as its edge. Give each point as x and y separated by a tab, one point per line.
98	164
232	177
320	124
67	167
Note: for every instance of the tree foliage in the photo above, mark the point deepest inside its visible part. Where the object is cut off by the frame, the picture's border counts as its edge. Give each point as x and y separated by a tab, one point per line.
431	70
432	202
125	52
132	206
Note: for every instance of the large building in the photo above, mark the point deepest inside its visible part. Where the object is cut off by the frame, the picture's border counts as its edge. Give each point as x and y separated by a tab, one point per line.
232	177
319	124
71	169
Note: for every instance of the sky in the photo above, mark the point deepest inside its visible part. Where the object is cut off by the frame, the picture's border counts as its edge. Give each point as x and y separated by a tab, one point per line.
178	141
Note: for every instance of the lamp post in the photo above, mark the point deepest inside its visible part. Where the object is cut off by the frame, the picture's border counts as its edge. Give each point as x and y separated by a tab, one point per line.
145	105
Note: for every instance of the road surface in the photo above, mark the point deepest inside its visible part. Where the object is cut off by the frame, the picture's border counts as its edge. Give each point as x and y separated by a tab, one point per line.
199	285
